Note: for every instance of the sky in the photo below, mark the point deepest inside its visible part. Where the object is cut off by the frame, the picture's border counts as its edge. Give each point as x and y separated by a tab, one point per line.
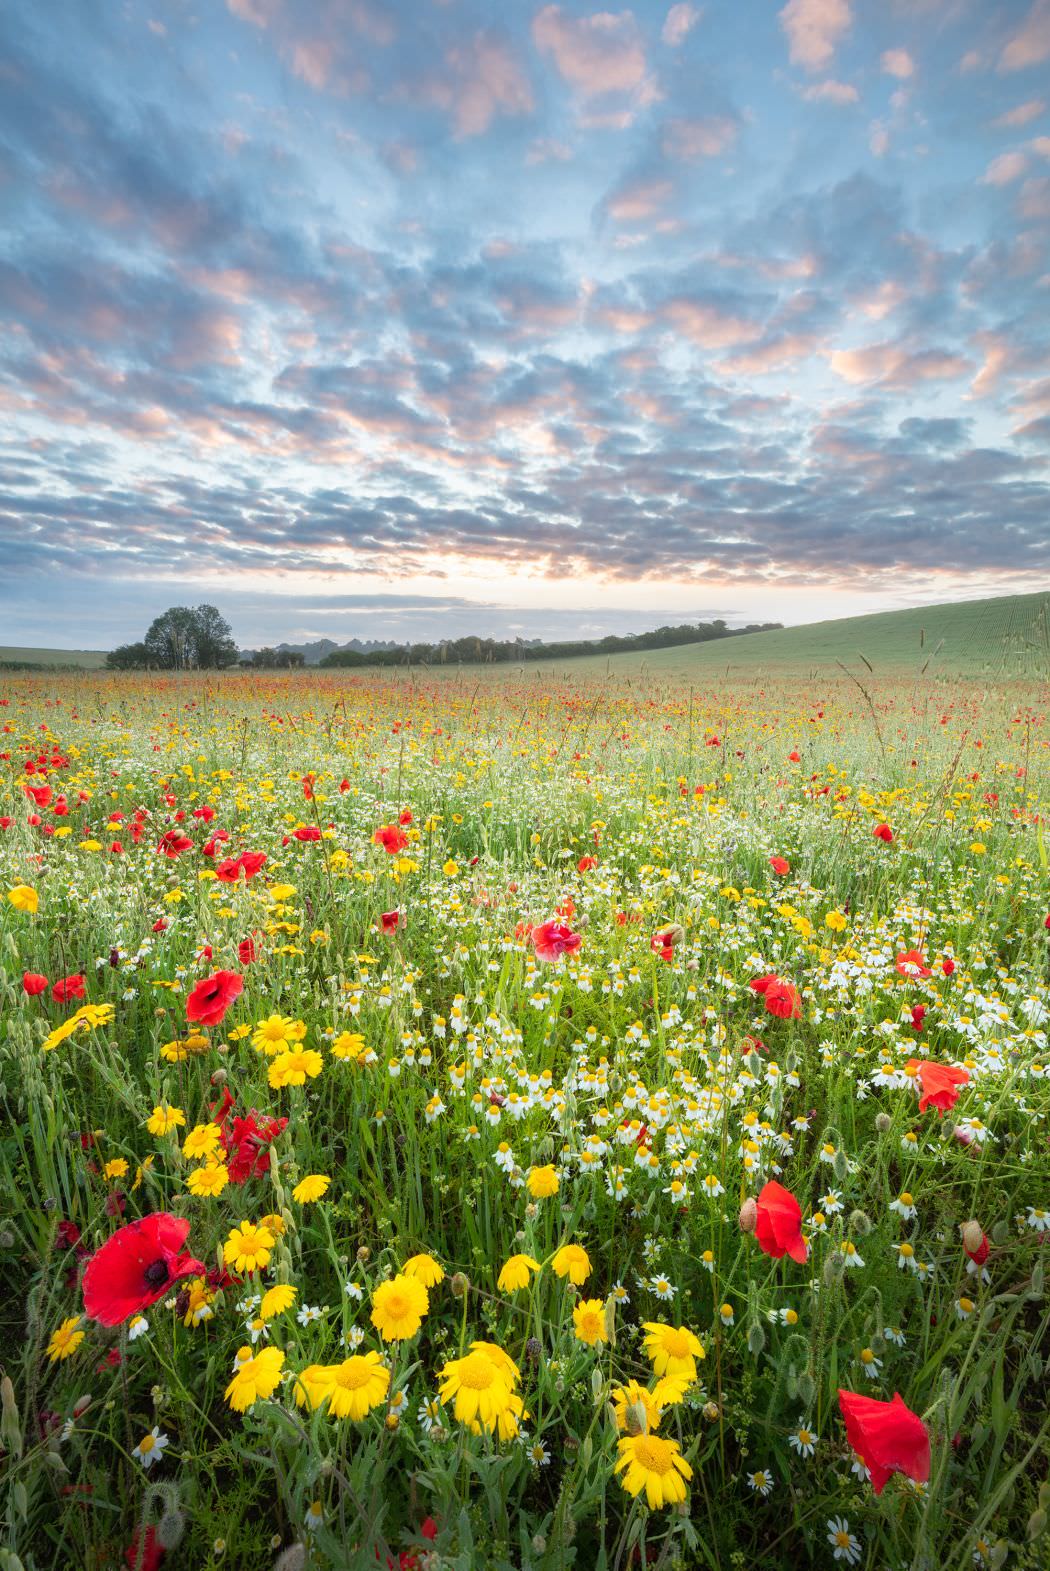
412	318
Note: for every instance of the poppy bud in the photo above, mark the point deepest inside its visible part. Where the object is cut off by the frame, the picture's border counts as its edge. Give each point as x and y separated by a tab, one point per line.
883	1122
81	1405
972	1236
748	1216
533	1350
756	1339
291	1559
834	1269
860	1222
634	1419
364	1254
460	1285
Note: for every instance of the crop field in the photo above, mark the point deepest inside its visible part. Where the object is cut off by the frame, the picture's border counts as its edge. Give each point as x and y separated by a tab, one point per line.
516	1121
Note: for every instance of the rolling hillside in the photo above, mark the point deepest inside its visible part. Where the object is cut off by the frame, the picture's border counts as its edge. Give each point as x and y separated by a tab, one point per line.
83	659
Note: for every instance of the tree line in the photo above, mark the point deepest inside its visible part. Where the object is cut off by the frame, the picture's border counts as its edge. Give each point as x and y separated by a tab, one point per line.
494	651
183	638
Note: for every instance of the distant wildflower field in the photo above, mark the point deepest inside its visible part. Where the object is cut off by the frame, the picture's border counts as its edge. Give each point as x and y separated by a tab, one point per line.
524	1122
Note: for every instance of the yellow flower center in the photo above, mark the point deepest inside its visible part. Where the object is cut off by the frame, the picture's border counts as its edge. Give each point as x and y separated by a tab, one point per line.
146	1443
677	1343
476	1373
654	1454
353	1374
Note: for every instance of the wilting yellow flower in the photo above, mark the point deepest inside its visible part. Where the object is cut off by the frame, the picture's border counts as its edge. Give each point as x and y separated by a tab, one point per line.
398	1307
656	1465
351	1388
589	1319
202	1141
425	1269
516	1273
542	1182
573	1262
256	1379
276	1300
312	1187
211	1179
24	898
164	1118
274	1222
248	1247
672	1350
295	1068
65	1341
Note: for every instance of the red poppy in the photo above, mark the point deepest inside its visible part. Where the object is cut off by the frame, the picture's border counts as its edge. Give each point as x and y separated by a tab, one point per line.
911	963
780	864
883	832
948	965
160	926
174	843
146	1556
247	952
229	871
252	862
585	864
778	1228
308	832
207	812
42	795
136	1267
389	921
887	1436
939	1083
405	816
391	838
551	939
783	1000
759	984
248	1142
33	983
795	756
69	987
981	1253
918	1015
212	996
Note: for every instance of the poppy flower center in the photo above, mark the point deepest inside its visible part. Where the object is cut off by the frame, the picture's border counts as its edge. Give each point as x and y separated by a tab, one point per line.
156	1273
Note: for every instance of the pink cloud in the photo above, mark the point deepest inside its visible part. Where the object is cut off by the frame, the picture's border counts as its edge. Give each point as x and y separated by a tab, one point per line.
597	55
482	79
678	24
898	63
814	28
787	350
1021	114
259	12
831	92
1030	45
640	199
1004	169
689	140
891	365
709	326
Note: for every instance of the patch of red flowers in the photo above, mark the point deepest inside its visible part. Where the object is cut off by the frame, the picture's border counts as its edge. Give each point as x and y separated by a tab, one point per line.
136	1267
884	833
33	983
69	987
780	865
887	1436
392	838
550	940
782	999
939	1083
910	963
212	996
778	1227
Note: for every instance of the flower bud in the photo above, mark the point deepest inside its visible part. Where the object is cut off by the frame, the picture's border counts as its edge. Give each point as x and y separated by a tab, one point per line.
364	1254
883	1122
860	1222
634	1419
748	1218
460	1285
972	1236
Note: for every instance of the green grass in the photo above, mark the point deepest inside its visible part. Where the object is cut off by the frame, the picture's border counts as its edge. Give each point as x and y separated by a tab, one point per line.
82	659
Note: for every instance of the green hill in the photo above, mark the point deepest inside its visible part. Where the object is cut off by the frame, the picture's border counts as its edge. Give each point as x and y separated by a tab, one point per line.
1008	636
82	659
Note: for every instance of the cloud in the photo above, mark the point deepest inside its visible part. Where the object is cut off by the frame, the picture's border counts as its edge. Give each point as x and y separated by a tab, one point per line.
481	79
678	24
687	140
602	57
1030	44
1020	114
898	63
1004	169
814	29
831	92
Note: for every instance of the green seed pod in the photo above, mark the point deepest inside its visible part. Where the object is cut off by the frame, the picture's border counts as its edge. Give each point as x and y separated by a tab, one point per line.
840	1166
1038	1285
1000	1233
860	1223
807	1389
883	1123
756	1338
10	1421
171	1528
834	1269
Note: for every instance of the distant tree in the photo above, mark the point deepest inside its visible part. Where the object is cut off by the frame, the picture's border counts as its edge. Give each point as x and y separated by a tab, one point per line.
213	639
128	657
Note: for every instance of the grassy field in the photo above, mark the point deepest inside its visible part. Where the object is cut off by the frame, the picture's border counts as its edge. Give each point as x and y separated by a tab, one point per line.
514	1123
84	659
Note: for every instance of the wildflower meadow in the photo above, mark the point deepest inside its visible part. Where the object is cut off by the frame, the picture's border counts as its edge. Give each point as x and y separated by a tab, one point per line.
526	1120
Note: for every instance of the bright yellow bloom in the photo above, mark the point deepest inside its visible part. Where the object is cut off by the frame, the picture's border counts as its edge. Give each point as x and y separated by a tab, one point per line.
349	1044
480	1389
60	1033
672	1350
202	1141
398	1307
273	1035
276	1300
248	1247
656	1465
164	1118
573	1262
516	1273
256	1379
208	1180
542	1182
118	1168
24	898
589	1319
351	1388
312	1187
274	1222
425	1269
65	1341
295	1068
198	1308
